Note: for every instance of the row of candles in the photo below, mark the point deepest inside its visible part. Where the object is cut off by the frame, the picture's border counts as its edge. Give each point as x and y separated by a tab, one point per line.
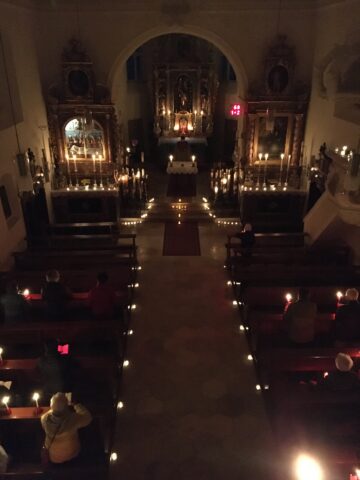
344	152
96	158
131	183
193	158
224	181
265	162
36	397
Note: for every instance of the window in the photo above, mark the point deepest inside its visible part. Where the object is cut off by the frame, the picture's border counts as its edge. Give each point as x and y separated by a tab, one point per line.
5	202
133	67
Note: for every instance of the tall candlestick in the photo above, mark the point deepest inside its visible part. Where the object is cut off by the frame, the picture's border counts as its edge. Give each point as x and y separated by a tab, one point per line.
265	170
287	172
68	170
1	352
259	170
281	167
100	171
75	171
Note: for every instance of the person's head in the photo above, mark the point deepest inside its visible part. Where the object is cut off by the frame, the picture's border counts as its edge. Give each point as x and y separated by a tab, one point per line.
303	293
352	294
247	227
51	347
12	288
59	404
102	278
52	276
343	362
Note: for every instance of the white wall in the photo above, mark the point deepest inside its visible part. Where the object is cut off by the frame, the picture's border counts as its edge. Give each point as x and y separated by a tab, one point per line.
337	26
17	30
112	34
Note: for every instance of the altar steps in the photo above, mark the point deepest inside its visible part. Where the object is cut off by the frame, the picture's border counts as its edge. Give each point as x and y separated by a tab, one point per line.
170	211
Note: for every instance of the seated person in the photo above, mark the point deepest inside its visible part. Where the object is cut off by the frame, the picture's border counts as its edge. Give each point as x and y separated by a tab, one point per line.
56	370
13	305
343	379
347	319
61	424
55	295
299	319
102	298
247	238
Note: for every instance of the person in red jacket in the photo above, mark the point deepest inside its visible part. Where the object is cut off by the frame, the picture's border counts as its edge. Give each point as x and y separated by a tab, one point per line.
102	298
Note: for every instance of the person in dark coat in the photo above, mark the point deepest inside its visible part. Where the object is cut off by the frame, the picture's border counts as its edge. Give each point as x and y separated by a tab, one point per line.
13	305
347	319
56	370
55	295
343	379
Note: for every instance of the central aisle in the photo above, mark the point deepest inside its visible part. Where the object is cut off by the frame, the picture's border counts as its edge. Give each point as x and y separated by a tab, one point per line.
191	408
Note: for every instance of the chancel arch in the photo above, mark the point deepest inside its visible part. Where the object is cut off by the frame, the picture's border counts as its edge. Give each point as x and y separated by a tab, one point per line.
182	91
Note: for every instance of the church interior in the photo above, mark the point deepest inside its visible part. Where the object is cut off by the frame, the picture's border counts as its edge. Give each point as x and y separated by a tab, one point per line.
179	239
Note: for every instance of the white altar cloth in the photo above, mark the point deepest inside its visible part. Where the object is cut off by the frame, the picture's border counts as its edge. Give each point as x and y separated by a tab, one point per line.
182	167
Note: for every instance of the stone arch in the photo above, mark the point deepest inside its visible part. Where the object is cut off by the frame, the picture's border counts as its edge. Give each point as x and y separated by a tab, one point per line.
115	73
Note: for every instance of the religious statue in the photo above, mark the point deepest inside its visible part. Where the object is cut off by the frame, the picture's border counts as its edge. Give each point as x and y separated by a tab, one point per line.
184	93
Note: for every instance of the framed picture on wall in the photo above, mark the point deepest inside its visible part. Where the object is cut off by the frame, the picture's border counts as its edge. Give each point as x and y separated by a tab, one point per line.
273	135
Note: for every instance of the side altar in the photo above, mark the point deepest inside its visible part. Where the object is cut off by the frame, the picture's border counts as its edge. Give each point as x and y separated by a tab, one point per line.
90	181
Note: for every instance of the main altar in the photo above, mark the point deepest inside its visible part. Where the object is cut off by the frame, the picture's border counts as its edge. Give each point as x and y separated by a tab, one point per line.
185	89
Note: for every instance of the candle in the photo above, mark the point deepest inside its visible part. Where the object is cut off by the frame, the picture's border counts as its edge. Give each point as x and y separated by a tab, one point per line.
142	157
36	397
171	157
100	170
68	169
94	162
1	352
281	166
288	297
5	401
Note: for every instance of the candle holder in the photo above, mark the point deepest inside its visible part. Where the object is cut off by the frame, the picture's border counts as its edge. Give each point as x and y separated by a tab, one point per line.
265	171
259	171
7	410
281	168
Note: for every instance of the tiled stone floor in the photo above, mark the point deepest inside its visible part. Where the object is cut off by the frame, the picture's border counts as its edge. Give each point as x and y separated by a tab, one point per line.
191	408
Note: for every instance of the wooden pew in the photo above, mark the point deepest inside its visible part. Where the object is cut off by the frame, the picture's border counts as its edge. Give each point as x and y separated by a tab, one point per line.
267	329
71	259
83	228
78	333
122	278
306	275
122	244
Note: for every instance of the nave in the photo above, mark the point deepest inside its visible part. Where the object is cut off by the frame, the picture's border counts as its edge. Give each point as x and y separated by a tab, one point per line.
191	409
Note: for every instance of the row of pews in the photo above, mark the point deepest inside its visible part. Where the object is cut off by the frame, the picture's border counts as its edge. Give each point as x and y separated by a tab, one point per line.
304	417
97	347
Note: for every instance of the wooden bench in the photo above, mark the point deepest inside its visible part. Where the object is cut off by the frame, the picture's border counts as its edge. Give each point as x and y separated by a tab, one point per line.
80	333
81	259
83	228
95	379
306	275
121	244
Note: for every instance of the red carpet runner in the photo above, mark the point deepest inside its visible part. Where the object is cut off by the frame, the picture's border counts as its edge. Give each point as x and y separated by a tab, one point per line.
181	185
181	239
